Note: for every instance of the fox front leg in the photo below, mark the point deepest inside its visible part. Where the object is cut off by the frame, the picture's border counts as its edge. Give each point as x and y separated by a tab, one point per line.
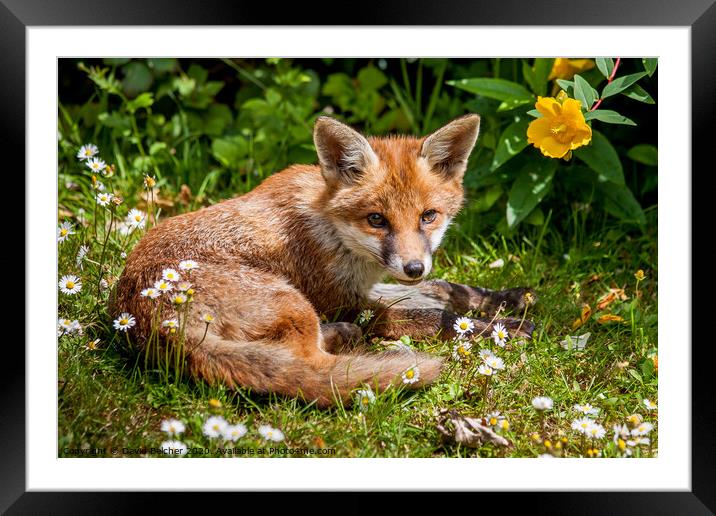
393	322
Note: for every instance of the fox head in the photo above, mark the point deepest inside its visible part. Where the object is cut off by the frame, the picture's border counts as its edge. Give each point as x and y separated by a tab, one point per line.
391	199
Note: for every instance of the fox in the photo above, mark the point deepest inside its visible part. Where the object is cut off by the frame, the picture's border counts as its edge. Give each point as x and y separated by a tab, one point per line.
319	240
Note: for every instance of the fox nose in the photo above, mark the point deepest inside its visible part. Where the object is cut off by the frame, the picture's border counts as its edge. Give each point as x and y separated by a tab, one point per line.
414	268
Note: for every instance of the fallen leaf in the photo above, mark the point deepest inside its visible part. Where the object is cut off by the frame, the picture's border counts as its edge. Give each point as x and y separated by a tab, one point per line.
185	195
610	297
575	342
467	431
607	318
584	317
497	264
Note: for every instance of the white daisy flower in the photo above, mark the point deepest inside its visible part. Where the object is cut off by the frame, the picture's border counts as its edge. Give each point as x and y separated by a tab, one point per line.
87	151
635	419
642	429
215	426
170	275
207	318
542	403
136	218
463	325
183	286
150	292
235	432
163	286
499	333
271	434
103	198
364	398
596	431
587	409
124	321
545	456
188	265
650	405
92	345
67	326
484	370
149	181
582	425
179	299
485	354
412	375
171	324
620	432
497	420
173	427
96	164
495	363
81	253
70	284
461	350
365	316
174	448
64	231
98	185
123	255
103	284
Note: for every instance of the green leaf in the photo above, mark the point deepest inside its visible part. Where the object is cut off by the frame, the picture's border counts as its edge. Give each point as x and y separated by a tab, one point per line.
228	151
636	92
535	218
605	66
137	78
650	64
371	78
620	84
601	157
484	200
116	61
143	100
511	104
644	153
608	116
535	113
567	86
157	147
583	92
512	141
537	74
162	64
620	202
499	89
532	184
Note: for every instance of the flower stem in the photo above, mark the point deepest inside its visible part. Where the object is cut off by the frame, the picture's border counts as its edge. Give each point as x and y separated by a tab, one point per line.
609	80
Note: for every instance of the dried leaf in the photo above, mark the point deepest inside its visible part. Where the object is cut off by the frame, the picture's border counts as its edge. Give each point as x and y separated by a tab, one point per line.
584	317
185	195
611	296
468	431
497	264
607	318
575	342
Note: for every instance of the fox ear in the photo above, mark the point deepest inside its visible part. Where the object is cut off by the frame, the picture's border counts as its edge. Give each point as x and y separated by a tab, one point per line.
342	152
448	148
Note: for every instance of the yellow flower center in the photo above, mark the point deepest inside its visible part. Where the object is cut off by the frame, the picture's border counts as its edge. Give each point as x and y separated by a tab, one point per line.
493	421
548	444
463	325
621	444
505	425
410	374
216	427
500	335
63	232
365	400
123	322
67	322
138	218
70	285
190	291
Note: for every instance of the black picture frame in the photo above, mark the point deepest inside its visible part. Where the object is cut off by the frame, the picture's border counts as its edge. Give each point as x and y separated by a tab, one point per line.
699	15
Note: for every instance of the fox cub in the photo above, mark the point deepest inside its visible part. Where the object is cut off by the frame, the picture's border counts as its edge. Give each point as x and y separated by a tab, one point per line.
317	239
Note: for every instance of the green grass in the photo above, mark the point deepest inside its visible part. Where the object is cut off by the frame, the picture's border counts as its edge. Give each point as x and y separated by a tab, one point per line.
108	401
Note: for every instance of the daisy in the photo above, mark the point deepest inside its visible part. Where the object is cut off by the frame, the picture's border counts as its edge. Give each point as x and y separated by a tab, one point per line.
214	403
136	218
151	293
103	199
637	441
463	325
163	286
81	255
175	448
67	325
87	151
596	431
364	398
215	426
542	403
621	432
499	333
64	231
70	285
172	324
149	181
461	350
207	318
124	322
486	354
234	432
98	185
188	265
545	456
179	299
96	164
170	275
650	405
586	409
642	429
271	434
183	286
365	316
173	427
484	370
412	375
92	345
582	425
635	419
495	363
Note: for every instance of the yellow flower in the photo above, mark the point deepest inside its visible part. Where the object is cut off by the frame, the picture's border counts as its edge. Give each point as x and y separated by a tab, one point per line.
214	403
639	275
564	68
561	129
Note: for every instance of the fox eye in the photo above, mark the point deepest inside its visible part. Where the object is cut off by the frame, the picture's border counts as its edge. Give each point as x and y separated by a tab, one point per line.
377	220
428	216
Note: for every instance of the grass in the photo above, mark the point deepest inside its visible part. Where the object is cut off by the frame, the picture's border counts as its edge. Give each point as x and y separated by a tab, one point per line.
107	401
